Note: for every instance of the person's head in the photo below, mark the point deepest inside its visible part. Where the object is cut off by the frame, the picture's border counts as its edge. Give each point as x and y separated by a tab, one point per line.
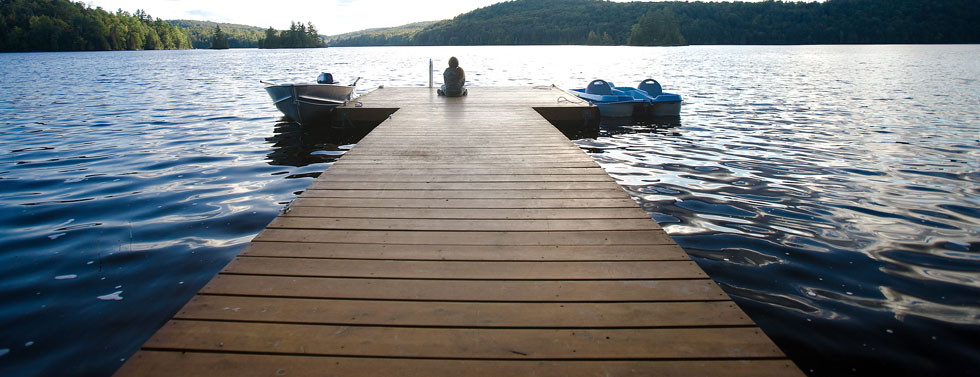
453	62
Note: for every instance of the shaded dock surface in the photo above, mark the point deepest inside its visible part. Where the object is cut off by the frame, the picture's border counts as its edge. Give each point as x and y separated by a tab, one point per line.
463	236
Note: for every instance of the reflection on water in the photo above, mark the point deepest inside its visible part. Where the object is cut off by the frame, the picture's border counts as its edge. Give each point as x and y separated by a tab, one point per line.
618	126
831	190
295	145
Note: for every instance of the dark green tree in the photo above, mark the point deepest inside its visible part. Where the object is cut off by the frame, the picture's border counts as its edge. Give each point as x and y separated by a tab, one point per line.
298	36
219	40
593	39
271	39
656	28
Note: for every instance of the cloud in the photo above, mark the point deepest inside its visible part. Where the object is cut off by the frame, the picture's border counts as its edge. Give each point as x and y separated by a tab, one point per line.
200	13
330	16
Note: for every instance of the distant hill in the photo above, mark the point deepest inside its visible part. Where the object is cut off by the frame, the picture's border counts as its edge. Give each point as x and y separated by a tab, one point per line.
539	22
397	35
239	36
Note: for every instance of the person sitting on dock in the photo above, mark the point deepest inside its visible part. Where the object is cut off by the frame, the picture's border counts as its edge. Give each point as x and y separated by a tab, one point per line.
455	80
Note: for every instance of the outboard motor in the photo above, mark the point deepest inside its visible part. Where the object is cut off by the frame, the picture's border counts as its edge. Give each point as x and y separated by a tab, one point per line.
324	78
651	86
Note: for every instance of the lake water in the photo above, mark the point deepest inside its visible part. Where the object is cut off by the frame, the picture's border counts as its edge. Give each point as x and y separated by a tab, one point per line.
832	191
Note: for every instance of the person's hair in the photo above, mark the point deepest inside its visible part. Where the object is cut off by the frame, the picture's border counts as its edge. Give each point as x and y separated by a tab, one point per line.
453	62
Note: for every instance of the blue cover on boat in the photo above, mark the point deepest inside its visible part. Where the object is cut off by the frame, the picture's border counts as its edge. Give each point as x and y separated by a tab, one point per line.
651	86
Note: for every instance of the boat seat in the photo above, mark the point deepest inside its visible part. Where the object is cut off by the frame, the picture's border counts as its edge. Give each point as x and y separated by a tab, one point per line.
651	86
599	87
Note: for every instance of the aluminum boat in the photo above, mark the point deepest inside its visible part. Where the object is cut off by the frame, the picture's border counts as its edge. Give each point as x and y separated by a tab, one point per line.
308	103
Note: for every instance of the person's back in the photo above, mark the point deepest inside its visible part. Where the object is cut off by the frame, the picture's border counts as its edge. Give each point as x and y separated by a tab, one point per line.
455	80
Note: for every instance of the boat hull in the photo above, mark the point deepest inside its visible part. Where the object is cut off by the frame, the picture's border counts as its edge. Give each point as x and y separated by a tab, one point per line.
308	103
665	109
617	110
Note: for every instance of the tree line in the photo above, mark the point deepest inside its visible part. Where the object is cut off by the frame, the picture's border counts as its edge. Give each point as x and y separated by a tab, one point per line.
59	25
398	35
62	25
673	23
238	36
297	36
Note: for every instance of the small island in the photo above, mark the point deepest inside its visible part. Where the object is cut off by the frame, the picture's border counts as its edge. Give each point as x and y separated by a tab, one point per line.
298	36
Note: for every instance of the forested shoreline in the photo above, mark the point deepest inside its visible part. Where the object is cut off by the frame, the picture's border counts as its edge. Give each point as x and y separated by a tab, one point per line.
31	25
62	25
202	33
544	22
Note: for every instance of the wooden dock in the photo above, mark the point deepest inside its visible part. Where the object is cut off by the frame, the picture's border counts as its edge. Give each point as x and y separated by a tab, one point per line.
462	237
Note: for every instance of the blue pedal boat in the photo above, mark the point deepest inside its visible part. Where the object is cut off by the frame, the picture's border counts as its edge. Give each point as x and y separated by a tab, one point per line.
647	99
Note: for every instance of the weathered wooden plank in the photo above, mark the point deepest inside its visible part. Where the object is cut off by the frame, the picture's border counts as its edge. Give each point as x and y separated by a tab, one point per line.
462	225
465	203
424	170
341	177
469	213
615	193
445	143
466	290
472	139
464	314
464	252
652	237
527	154
197	364
464	160
381	165
592	344
466	137
565	186
471	270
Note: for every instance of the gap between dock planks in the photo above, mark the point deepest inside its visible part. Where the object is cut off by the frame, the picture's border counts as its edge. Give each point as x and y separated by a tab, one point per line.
461	236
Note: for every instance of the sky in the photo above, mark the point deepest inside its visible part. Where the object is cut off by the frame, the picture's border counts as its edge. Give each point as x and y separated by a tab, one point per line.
329	16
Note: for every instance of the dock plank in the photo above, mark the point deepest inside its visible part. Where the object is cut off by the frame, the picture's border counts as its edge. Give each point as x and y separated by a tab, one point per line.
633	237
468	343
465	203
466	290
403	177
460	225
483	270
464	314
465	252
469	213
467	194
197	364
